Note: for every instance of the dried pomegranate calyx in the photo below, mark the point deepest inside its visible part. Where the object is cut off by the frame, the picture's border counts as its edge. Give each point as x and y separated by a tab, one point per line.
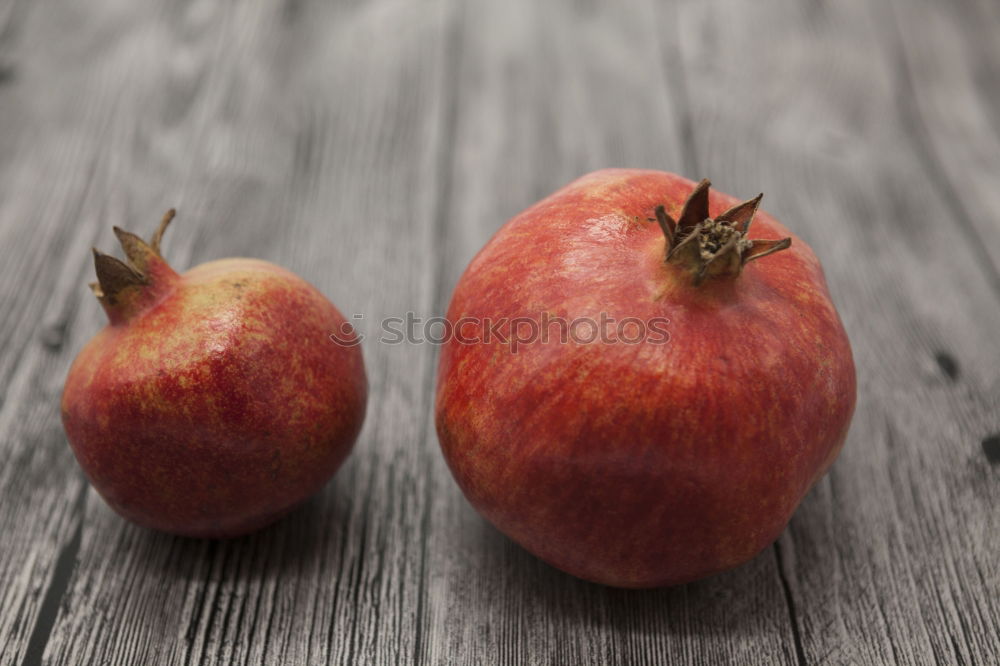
710	247
157	238
124	287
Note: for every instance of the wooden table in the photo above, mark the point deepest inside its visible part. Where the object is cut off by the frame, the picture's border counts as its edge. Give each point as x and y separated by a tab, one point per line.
373	146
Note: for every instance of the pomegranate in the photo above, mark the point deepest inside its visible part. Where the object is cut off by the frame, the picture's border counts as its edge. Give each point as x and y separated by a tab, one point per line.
667	449
215	400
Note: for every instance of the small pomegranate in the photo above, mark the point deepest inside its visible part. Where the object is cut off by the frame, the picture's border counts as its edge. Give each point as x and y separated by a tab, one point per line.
216	400
643	459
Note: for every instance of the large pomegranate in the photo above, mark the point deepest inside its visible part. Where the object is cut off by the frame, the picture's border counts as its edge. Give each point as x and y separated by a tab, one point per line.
669	447
215	400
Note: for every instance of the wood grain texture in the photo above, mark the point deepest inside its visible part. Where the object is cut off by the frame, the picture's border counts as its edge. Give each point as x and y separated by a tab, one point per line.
372	147
310	149
947	66
887	559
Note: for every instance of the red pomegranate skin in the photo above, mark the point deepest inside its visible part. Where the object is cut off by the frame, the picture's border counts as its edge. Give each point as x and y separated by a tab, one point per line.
642	465
220	403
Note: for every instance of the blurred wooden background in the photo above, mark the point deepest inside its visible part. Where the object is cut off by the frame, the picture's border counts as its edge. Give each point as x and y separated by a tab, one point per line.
372	147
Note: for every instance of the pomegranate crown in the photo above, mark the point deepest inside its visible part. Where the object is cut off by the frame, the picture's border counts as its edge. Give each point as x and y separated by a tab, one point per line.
713	247
126	287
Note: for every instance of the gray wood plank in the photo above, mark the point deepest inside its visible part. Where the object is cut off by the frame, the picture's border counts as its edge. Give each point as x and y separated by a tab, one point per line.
56	169
947	62
279	133
547	92
892	558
